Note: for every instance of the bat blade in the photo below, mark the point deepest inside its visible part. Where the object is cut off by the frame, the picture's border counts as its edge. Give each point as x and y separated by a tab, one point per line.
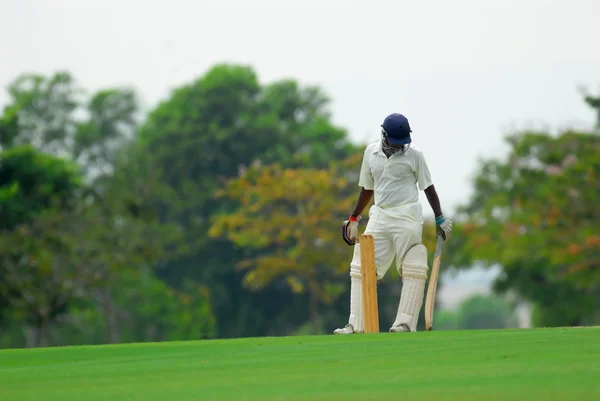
432	287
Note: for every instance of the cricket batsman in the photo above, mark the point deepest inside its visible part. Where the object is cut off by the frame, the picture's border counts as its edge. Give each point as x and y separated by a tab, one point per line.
393	172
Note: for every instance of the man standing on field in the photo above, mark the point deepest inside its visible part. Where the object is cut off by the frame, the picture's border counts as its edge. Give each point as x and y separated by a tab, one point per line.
393	171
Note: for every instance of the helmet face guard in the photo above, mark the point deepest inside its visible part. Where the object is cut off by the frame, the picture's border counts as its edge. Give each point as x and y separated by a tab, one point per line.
401	149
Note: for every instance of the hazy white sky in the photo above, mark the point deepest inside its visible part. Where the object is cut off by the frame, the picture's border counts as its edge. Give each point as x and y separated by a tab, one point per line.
463	72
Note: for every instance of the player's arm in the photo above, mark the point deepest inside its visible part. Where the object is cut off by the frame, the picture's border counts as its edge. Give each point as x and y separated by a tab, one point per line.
366	184
364	197
434	200
365	181
444	226
350	226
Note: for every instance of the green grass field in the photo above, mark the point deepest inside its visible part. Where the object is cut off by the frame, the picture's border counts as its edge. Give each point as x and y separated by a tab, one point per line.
540	364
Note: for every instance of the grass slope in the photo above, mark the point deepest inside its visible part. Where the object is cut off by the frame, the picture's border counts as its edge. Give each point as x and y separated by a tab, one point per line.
540	364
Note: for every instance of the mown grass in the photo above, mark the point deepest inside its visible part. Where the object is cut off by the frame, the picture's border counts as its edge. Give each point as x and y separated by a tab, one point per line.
535	364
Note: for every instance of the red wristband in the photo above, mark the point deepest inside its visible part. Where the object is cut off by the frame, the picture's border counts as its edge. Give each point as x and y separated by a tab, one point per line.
353	218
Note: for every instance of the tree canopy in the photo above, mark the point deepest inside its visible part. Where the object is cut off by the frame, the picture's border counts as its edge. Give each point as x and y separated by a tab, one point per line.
217	214
535	214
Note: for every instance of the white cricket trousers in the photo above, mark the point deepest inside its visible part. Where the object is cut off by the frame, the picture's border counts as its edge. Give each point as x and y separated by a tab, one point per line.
395	230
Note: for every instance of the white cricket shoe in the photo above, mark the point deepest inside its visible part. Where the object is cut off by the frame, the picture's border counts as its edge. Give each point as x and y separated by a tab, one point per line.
348	329
400	329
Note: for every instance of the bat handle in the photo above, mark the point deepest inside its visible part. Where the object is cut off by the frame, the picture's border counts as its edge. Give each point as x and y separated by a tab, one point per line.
439	245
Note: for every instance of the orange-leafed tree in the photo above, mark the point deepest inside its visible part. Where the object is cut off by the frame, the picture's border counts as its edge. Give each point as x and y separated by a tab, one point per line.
291	219
536	215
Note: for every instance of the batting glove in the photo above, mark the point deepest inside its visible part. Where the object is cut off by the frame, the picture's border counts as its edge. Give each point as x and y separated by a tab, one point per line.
443	226
350	230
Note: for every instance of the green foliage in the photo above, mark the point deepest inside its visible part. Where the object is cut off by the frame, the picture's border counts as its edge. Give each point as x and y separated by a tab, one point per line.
34	189
285	215
55	115
43	108
485	312
446	320
223	122
38	276
144	309
477	312
207	132
536	214
66	242
147	201
204	131
195	223
63	258
111	123
31	181
302	121
594	103
9	126
180	315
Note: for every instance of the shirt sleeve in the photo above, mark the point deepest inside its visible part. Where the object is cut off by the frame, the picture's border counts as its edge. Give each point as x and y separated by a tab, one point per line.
423	175
366	178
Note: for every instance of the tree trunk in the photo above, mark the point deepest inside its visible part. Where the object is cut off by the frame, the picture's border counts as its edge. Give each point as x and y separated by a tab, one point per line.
34	335
152	333
112	329
314	313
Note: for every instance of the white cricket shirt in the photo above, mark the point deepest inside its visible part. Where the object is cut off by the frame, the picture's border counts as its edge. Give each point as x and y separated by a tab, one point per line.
395	181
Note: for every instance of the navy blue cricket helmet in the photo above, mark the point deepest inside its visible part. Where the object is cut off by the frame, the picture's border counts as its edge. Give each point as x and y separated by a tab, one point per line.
397	129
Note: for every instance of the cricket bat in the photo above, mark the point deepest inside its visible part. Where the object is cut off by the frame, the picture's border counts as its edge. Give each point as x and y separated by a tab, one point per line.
432	287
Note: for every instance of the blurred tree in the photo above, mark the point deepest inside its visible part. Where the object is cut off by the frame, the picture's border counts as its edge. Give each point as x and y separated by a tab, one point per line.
55	115
39	279
34	279
9	127
446	320
183	314
78	257
114	243
43	110
206	133
31	181
301	120
144	309
594	103
477	312
536	214
110	124
109	227
485	312
287	214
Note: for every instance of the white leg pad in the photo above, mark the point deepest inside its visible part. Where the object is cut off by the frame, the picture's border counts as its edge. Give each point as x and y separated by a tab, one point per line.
356	310
414	275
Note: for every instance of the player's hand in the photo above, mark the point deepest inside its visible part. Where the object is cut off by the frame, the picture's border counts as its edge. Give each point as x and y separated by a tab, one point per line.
443	226
350	230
